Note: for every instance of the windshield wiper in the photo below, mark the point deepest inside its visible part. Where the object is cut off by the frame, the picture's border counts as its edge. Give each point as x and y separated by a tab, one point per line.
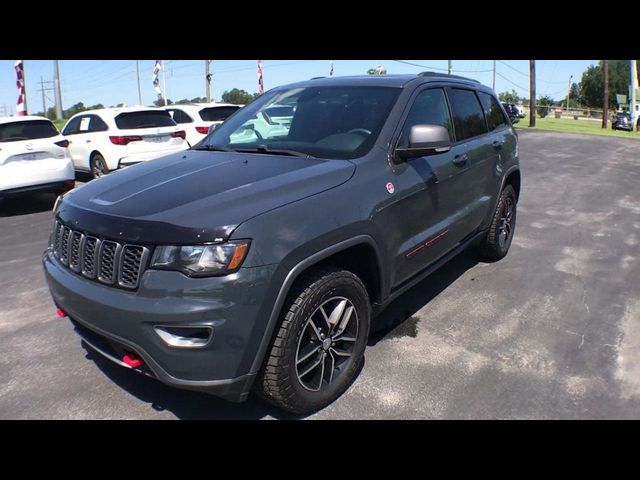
273	151
213	148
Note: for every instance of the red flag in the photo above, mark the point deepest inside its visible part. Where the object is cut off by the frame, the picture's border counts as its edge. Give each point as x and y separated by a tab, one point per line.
260	81
21	108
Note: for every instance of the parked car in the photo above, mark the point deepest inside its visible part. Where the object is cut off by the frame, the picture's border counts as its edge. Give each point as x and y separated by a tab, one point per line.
33	157
512	112
104	140
622	121
258	263
521	112
197	119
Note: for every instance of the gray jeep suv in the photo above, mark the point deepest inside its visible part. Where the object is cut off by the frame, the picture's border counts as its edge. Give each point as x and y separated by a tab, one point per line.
255	260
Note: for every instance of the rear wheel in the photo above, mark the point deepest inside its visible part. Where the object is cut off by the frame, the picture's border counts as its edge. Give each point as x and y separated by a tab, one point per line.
98	166
498	240
320	343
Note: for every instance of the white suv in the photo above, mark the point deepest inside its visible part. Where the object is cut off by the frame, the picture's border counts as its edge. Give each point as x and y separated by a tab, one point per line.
104	140
198	118
33	157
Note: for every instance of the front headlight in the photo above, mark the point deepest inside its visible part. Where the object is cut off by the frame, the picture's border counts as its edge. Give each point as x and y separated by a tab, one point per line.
201	260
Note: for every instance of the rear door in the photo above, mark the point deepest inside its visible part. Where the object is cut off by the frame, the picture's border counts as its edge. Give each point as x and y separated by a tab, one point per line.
85	134
154	131
474	156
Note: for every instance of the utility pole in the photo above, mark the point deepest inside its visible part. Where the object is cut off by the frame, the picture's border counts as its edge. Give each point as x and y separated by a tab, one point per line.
494	75
449	68
207	76
164	85
605	105
138	76
569	92
56	70
634	85
44	104
532	93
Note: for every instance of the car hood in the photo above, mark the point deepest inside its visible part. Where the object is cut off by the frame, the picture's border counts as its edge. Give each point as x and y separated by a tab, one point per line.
195	196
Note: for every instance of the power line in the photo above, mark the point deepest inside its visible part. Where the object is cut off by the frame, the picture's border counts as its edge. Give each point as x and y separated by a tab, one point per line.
512	83
526	74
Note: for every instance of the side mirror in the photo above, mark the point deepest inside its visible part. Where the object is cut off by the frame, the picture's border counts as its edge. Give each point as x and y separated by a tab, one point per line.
424	140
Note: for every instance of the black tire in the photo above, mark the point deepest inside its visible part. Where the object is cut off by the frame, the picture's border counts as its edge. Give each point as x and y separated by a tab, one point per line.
496	244
98	166
282	381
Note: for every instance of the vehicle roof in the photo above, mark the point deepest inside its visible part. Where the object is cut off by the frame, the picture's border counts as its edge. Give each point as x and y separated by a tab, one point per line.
199	105
112	112
21	118
397	81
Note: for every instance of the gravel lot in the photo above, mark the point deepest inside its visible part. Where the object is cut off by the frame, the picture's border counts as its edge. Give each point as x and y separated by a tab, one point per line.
552	331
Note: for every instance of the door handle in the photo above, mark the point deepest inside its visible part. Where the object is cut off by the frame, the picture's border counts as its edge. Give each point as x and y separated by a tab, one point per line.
497	144
460	159
88	141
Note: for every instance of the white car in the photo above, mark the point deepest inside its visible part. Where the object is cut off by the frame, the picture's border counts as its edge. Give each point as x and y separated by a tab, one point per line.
198	118
111	138
33	157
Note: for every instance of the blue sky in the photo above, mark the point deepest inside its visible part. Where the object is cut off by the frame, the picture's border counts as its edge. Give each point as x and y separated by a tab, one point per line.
114	81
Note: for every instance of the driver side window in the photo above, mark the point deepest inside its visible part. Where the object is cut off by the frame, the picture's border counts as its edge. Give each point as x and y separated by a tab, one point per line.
429	108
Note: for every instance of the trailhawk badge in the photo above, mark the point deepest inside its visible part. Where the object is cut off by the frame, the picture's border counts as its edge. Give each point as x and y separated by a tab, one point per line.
390	187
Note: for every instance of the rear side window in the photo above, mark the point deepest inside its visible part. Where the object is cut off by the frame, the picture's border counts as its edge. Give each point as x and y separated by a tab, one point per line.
97	124
27	130
130	120
429	108
217	114
467	114
179	116
493	112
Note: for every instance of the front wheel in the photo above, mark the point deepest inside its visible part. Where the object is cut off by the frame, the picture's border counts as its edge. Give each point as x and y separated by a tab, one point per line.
498	239
320	343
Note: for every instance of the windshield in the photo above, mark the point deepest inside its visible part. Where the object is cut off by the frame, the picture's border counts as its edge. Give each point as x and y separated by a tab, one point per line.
323	122
27	130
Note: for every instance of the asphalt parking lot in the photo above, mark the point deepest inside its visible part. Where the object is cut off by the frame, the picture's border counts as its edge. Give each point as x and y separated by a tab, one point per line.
552	331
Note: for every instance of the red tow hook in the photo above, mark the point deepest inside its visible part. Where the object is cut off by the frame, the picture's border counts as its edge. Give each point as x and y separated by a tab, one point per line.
60	313
132	360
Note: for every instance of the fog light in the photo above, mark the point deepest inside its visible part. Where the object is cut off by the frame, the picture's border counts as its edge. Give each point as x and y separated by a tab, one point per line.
185	337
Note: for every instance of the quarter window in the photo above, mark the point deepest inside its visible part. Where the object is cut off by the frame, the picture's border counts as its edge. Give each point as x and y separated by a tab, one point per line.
179	116
468	117
429	108
493	112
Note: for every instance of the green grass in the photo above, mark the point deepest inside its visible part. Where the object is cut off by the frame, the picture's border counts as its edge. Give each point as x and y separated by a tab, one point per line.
59	124
582	125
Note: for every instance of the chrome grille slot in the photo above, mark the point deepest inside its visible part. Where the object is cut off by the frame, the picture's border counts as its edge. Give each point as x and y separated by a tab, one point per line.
133	259
91	245
107	261
75	250
107	267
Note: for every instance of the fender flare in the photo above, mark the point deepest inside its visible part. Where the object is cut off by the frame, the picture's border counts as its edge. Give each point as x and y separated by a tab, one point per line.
291	277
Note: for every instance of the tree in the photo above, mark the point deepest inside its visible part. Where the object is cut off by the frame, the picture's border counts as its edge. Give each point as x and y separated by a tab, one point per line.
591	88
160	102
198	100
238	97
543	105
374	71
509	97
71	111
574	95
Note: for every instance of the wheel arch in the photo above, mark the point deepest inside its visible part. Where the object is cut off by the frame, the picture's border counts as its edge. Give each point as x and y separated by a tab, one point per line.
348	254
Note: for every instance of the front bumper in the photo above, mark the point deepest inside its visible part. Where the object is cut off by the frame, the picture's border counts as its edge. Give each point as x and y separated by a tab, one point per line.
113	321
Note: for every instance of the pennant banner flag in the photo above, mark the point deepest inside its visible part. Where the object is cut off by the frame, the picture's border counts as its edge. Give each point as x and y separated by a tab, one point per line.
20	104
260	81
331	69
156	79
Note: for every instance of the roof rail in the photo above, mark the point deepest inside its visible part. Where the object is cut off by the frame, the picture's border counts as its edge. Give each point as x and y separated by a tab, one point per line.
436	74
